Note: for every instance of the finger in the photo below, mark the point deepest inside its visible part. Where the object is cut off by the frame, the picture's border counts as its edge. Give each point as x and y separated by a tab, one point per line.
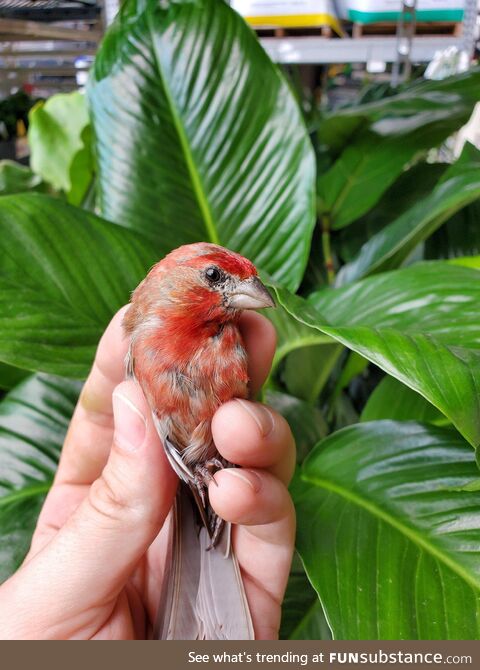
61	502
254	435
89	560
89	437
260	339
263	539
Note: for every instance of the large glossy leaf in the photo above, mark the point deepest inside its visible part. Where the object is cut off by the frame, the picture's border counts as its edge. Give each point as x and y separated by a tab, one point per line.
64	273
10	376
459	186
306	370
60	141
392	551
459	236
302	613
199	137
447	376
33	421
292	334
364	171
393	400
17	178
435	297
472	262
413	185
430	105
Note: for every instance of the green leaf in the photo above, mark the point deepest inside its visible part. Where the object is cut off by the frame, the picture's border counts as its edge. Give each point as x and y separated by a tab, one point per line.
445	375
292	334
64	273
60	141
428	105
472	262
11	376
17	178
306	422
199	137
302	614
33	421
363	172
391	551
438	298
393	400
413	185
459	236
307	370
388	249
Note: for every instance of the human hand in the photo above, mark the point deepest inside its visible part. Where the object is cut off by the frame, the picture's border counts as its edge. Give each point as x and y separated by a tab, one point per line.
94	570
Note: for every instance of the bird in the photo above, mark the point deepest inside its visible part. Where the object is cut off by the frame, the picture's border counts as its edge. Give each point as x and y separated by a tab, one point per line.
187	354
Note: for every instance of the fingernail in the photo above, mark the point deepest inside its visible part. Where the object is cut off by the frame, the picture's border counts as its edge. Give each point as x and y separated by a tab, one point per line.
260	414
130	424
248	476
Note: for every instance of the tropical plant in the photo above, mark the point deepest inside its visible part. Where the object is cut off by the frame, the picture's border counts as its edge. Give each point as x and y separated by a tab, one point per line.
197	136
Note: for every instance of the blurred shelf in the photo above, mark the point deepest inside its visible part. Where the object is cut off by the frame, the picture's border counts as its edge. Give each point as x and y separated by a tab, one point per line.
47	45
50	10
317	50
11	29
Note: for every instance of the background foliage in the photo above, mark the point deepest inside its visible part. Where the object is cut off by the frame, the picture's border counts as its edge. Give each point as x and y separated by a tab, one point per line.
370	241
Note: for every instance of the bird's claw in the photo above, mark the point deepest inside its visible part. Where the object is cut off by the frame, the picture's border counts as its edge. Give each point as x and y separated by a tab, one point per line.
202	472
218	526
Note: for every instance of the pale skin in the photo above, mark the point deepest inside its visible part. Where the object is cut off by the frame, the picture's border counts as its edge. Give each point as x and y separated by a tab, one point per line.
94	568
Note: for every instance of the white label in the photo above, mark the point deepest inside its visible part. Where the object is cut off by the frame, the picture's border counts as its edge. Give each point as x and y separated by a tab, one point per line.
282	7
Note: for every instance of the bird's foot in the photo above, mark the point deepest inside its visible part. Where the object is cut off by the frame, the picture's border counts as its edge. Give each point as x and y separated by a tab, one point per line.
202	472
203	475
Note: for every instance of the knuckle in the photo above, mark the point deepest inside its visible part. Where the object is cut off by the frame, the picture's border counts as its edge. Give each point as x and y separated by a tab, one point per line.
109	502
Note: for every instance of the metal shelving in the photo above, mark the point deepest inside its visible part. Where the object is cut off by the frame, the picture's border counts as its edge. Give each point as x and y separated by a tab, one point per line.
316	50
319	50
50	10
45	43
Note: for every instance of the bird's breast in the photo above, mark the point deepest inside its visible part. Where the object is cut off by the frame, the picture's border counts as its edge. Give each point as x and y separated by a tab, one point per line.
186	392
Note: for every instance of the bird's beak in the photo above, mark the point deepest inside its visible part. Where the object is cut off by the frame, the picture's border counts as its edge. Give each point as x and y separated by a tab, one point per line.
250	294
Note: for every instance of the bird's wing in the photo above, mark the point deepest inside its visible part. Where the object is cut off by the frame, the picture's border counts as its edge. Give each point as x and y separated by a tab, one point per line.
174	455
177	614
182	471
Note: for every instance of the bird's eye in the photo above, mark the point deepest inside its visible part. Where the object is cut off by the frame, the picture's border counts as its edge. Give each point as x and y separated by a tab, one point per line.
214	275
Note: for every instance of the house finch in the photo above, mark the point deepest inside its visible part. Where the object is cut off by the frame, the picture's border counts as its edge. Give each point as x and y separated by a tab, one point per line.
187	354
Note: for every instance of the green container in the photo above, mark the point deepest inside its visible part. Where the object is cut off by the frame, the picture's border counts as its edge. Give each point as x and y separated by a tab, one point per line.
368	11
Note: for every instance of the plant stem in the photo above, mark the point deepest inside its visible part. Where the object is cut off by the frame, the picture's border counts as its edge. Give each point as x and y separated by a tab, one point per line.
327	249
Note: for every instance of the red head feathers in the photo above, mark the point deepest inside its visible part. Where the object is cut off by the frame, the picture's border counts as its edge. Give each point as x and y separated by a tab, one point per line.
196	288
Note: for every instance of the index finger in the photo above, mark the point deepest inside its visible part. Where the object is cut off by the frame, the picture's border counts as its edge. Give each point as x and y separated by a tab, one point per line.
260	339
88	441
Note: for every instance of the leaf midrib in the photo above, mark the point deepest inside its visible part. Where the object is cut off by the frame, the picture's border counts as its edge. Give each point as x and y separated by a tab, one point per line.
182	136
405	530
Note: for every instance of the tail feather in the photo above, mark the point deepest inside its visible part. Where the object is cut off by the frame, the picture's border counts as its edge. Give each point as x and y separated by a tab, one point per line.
203	596
222	605
177	617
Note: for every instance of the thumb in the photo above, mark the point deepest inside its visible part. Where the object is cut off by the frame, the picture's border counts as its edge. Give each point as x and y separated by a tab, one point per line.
90	559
